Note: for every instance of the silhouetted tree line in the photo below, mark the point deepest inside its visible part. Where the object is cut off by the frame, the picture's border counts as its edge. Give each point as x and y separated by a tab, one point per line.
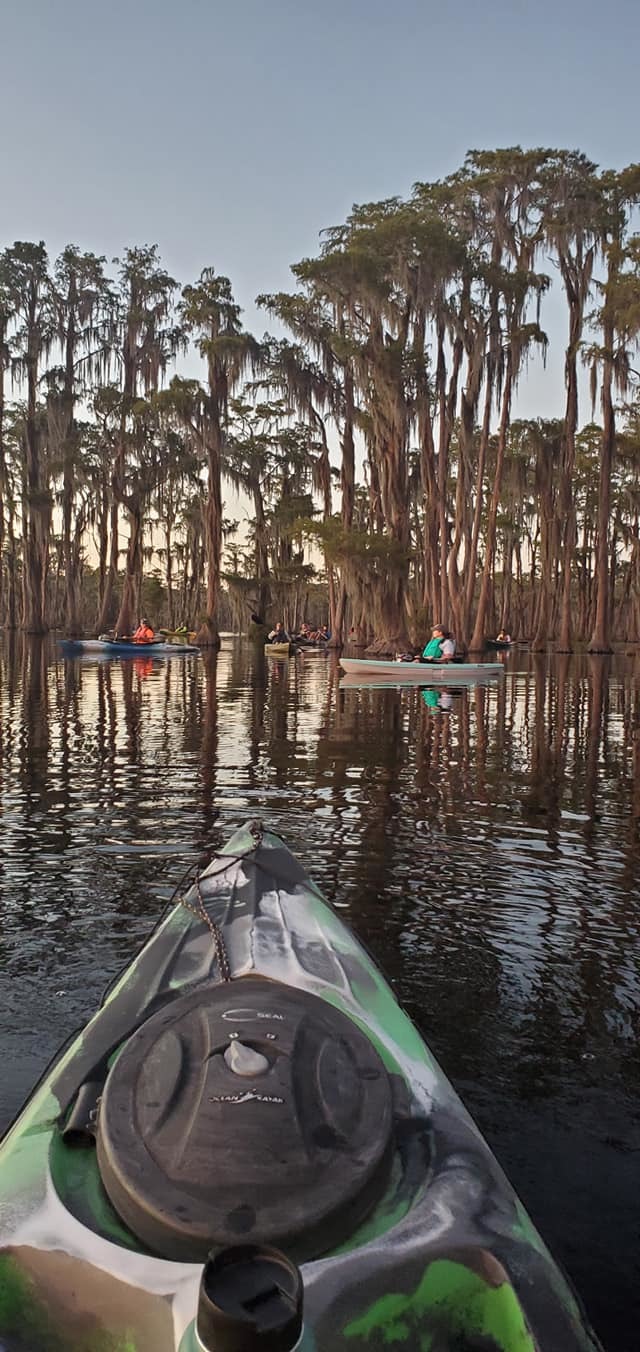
409	333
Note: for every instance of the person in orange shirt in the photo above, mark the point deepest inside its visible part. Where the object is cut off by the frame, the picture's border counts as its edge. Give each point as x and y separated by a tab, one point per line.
144	633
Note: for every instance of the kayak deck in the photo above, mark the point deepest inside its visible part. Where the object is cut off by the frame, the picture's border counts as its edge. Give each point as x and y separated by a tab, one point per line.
438	1254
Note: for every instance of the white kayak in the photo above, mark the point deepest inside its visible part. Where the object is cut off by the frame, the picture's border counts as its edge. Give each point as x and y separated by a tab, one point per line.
371	669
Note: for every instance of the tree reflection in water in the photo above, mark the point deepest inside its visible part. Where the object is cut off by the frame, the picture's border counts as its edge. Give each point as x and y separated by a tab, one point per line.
487	852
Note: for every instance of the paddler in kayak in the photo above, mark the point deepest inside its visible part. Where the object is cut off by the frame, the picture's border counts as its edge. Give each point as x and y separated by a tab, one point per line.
440	648
279	634
144	633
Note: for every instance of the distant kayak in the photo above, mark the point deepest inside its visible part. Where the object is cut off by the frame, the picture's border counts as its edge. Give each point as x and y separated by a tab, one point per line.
250	1147
420	673
178	635
498	643
121	648
279	649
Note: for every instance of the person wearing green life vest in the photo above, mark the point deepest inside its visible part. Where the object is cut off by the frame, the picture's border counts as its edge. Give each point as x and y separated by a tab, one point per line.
440	648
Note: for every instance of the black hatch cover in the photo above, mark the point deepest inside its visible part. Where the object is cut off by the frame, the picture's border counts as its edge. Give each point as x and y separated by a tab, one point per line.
249	1112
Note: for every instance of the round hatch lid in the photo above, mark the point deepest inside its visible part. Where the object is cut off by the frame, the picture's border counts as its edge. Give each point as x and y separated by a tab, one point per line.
249	1112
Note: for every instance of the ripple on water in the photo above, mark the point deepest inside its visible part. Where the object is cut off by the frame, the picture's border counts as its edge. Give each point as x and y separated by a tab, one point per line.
494	877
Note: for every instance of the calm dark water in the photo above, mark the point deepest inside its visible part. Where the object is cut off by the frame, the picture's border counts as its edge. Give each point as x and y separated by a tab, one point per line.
489	856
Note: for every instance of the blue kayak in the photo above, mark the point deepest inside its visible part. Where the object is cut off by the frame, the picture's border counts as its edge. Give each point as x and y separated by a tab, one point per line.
72	647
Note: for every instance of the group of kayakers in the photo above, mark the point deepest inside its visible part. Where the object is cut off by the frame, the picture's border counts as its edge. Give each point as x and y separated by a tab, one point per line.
145	633
441	647
308	635
305	634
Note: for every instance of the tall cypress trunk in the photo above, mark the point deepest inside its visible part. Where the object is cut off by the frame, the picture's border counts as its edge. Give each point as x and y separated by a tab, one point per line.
600	641
567	506
262	549
391	604
123	622
446	430
613	569
430	582
171	608
71	599
128	600
208	635
106	610
507	580
442	476
546	522
12	568
491	366
38	503
478	636
427	594
129	605
348	491
472	562
4	610
469	399
453	574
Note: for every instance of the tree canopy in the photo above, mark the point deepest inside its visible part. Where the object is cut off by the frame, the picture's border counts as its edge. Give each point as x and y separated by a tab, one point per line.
373	440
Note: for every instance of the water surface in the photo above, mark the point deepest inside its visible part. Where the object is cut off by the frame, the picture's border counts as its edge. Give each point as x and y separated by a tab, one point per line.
487	852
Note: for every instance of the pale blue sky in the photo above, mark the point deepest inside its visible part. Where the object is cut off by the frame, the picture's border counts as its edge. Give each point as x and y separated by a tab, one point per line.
231	133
